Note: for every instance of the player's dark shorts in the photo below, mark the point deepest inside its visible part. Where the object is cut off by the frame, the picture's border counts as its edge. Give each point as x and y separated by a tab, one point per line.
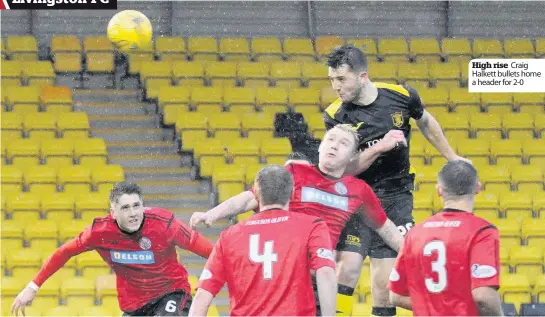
357	237
172	304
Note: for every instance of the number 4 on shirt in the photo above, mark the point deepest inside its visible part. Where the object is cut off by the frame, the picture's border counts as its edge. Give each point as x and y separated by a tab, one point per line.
267	258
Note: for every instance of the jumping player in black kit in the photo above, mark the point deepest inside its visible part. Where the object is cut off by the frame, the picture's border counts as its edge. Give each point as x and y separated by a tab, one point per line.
374	109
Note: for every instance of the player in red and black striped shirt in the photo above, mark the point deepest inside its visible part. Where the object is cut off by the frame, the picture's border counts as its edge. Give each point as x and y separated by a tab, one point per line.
139	245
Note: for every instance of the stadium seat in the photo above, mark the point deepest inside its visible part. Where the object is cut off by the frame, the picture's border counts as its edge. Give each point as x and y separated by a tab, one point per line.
66	52
192	121
532	231
527	261
11	287
171	112
495	175
239	100
203	48
23	262
497	103
234	49
42	236
57	152
41	180
277	147
425	50
539	204
24	153
175	95
58	207
308	98
423	202
516	205
463	101
486	126
188	74
299	49
315	75
384	72
106	286
509	232
70	228
11	73
91	265
254	75
209	147
190	138
209	162
12	237
367	45
536	309
107	174
221	74
393	49
539	124
40	126
38	73
251	172
225	126
170	48
22	48
24	207
137	57
286	74
326	44
515	289
266	49
78	292
487	48
539	288
518	48
445	75
540	48
527	174
154	75
207	99
11	125
435	97
23	100
457	49
531	103
74	125
92	152
12	177
243	151
75	179
272	100
455	123
518	125
230	173
409	72
56	99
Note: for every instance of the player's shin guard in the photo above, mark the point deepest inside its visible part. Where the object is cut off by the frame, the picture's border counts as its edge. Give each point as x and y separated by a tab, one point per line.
384	311
345	300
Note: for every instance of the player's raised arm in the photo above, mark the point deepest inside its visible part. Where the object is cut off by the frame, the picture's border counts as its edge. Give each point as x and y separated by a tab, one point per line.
52	264
185	237
231	207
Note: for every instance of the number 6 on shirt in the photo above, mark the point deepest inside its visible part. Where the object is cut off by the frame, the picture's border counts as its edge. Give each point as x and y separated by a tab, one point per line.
437	266
267	258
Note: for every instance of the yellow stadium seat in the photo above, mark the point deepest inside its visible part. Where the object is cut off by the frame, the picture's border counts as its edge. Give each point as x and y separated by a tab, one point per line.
107	174
239	99
423	202
508	228
486	125
213	311
11	286
413	74
192	121
23	48
66	51
532	231
426	175
170	48
539	288
97	44
272	100
315	122
514	123
243	148
56	99
138	57
487	48
39	73
74	125
326	44
361	309
539	203
518	48
234	49
24	153
91	152
254	75
252	122
58	207
497	102
75	179
539	123
461	97
91	265
540	47
367	45
531	103
24	207
527	261
516	205
456	49
106	286
425	50
207	99
99	54
230	173
286	74
174	95
221	74
41	180
23	261
435	97
299	49
251	172
208	163
12	177
190	138
203	48
445	74
23	100
304	97
277	147
515	288
393	49
12	237
209	147
500	149
386	72
40	126
154	75
70	228
495	175
455	122
188	74
527	174
95	311
11	125
266	49
67	62
42	235
11	73
58	152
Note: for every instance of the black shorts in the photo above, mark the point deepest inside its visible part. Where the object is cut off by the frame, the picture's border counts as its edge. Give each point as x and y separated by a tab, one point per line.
357	237
172	304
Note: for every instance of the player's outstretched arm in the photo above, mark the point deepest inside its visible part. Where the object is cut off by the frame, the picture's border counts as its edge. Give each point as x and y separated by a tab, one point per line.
431	129
361	161
488	301
391	235
231	207
201	303
326	280
52	265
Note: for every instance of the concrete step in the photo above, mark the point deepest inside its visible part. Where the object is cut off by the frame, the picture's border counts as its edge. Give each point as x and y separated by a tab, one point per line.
133	135
170	201
105	95
145	147
123	121
154	173
146	160
174	186
116	108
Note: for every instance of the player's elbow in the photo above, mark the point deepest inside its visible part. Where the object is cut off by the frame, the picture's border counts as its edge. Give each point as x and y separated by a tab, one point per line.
485	296
326	276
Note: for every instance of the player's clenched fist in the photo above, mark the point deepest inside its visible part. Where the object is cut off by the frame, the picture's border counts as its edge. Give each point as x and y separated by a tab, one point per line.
198	218
23	299
392	139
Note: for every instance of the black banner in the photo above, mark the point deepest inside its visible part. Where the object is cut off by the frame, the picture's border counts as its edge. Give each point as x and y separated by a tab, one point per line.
58	4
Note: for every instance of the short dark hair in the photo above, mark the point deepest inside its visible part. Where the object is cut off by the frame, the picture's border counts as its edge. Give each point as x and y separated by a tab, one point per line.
458	178
275	185
297	156
122	188
349	55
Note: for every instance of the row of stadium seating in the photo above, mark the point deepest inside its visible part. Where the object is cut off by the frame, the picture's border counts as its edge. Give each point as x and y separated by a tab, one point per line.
45	125
48	98
37	73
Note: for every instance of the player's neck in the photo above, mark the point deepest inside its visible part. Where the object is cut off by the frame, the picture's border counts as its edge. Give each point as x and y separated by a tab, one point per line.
465	205
338	173
272	207
368	94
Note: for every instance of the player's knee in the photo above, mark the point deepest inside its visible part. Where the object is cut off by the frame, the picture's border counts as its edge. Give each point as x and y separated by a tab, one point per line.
349	269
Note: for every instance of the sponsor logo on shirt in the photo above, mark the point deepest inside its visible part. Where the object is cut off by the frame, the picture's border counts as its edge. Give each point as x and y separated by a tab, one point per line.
145	243
205	275
132	257
442	224
341	188
267	221
482	271
394	275
325	254
313	195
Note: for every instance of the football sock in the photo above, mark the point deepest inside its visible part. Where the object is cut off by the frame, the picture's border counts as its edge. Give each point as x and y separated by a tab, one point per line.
345	300
384	311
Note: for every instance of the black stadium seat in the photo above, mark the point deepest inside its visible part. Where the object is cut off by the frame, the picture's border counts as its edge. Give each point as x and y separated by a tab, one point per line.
532	310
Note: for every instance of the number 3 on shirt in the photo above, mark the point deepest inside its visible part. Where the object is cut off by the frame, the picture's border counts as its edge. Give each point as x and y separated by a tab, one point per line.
267	258
437	266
